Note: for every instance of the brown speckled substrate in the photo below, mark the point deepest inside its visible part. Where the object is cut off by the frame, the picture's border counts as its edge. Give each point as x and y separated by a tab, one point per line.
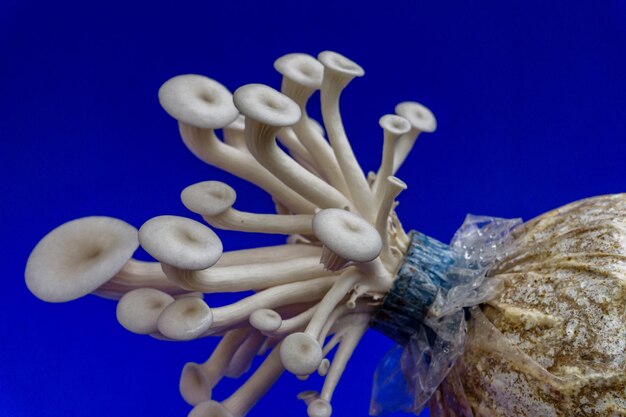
553	344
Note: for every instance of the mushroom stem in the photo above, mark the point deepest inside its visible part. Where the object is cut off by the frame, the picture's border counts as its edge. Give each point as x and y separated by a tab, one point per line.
349	340
334	81
421	120
295	292
261	141
205	145
290	140
337	314
242	400
394	127
302	76
403	147
268	254
242	359
246	277
394	186
233	134
287	224
138	274
313	141
295	323
197	380
340	288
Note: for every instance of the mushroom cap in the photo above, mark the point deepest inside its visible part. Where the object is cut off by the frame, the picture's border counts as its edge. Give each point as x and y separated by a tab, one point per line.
319	408
138	310
339	63
210	408
198	101
208	198
302	69
420	116
349	236
194	384
185	319
264	104
301	354
265	320
395	124
180	242
396	182
79	256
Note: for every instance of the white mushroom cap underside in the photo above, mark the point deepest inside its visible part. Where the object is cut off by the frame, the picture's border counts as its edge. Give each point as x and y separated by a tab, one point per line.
266	105
79	256
347	235
180	242
208	198
198	101
420	116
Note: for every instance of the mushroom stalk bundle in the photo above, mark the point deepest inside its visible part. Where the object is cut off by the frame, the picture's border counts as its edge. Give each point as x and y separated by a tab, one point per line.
509	319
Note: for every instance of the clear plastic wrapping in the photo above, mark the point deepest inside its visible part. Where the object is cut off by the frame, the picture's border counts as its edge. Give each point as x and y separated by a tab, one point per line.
425	310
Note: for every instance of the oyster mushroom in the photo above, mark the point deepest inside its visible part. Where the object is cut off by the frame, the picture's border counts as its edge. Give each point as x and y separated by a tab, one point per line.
421	120
78	257
302	76
213	200
267	111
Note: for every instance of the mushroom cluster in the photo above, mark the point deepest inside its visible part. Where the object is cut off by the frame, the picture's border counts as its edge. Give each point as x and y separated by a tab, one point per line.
313	295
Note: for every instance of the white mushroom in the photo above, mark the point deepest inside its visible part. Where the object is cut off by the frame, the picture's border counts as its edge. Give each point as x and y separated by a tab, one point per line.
267	111
180	242
198	101
138	311
213	200
234	133
394	127
185	319
319	408
301	354
393	187
79	256
197	380
346	238
245	277
338	72
421	120
266	320
302	76
201	105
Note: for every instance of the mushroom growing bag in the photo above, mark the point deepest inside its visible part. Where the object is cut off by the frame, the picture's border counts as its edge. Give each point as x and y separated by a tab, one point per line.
547	335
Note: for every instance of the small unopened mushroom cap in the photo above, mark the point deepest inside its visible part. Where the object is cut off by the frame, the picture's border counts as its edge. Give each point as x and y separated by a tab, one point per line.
210	409
208	198
301	354
420	117
341	64
185	319
395	124
266	105
265	320
79	256
301	68
347	235
138	310
180	242
198	101
319	408
194	385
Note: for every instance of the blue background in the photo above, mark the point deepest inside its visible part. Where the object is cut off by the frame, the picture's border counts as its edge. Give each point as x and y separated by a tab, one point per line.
530	98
